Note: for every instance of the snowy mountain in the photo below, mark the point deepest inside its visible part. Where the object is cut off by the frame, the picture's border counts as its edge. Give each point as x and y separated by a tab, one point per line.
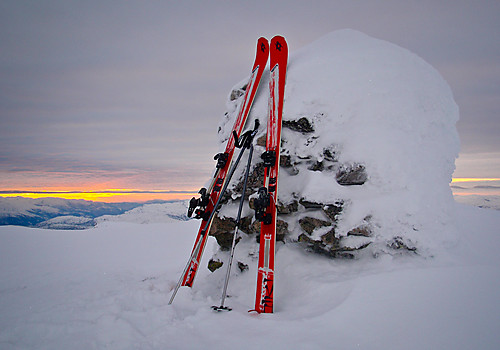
151	213
67	214
67	222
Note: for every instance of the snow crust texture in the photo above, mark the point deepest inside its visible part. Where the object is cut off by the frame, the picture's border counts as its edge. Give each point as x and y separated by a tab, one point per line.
368	111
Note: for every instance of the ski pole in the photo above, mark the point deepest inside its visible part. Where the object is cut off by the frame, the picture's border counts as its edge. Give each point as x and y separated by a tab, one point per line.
238	218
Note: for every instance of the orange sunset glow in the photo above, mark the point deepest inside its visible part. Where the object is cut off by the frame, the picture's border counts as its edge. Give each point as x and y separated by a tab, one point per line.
476	186
473	179
116	195
103	195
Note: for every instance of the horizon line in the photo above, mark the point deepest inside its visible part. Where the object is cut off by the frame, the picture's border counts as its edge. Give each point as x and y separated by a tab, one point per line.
110	191
106	195
474	179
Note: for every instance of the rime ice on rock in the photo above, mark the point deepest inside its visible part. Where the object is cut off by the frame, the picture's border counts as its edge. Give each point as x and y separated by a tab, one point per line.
368	150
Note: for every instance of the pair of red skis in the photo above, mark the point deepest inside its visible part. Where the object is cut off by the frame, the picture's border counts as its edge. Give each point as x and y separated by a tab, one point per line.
208	203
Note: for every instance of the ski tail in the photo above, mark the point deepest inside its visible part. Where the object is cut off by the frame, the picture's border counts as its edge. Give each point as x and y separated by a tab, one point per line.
266	213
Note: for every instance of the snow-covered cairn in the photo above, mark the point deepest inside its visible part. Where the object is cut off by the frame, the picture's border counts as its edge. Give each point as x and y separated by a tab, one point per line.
368	150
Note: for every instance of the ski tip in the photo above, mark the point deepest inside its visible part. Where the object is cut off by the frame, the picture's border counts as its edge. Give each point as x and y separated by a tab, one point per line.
278	43
278	37
263	45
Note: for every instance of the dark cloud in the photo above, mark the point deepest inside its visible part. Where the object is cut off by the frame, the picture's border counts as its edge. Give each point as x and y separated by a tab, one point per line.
141	86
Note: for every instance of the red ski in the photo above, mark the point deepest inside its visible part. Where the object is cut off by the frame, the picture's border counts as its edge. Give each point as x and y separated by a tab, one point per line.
265	204
209	199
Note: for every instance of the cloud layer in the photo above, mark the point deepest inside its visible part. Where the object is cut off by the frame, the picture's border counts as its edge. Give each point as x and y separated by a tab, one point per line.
128	95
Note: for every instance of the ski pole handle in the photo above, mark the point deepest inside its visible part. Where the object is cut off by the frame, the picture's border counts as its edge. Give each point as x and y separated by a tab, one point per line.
257	124
247	137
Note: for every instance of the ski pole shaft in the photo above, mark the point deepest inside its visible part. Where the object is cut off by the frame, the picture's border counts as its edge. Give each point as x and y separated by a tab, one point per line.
238	218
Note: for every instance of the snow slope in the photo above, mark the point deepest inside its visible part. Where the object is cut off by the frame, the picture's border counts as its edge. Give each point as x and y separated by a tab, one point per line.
108	288
152	213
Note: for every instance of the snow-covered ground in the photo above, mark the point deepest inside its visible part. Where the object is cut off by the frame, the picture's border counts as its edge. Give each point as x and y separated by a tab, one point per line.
108	288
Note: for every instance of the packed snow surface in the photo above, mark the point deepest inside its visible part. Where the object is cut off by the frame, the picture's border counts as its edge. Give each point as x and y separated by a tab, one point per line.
108	288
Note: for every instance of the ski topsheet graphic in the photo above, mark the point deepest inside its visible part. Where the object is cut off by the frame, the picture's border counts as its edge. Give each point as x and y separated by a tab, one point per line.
265	203
205	206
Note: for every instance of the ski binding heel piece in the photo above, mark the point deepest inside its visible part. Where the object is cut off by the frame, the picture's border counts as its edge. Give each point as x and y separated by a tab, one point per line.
202	214
201	202
261	203
221	159
269	158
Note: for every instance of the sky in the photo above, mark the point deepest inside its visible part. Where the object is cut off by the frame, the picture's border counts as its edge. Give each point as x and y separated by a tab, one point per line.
100	96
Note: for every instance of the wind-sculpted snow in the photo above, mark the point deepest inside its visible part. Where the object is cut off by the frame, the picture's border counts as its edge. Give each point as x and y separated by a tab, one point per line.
355	102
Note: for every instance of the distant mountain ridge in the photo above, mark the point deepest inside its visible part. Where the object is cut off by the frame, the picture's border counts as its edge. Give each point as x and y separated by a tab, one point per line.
58	213
481	201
